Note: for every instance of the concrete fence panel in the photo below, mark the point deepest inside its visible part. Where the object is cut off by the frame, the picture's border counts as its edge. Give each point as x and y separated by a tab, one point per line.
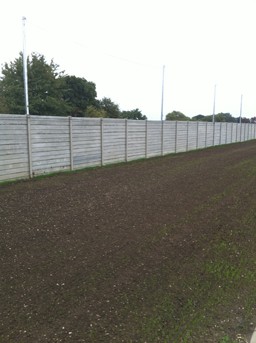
37	145
14	151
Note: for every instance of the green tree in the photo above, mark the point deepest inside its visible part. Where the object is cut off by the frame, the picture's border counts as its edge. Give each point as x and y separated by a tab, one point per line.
80	94
198	117
112	109
228	117
45	86
217	118
176	115
133	114
3	106
92	112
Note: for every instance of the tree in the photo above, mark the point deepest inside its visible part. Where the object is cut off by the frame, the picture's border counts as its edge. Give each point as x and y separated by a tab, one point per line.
198	117
92	112
112	109
217	118
3	106
45	86
228	117
133	114
176	115
80	94
220	117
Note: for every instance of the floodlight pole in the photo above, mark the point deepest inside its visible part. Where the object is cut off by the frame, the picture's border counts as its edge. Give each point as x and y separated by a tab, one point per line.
241	108
25	77
214	103
162	107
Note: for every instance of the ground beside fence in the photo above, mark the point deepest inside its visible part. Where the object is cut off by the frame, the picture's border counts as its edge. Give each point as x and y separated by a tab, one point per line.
160	250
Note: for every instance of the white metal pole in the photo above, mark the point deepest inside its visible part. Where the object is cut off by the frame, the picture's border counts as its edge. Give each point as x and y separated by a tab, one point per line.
214	103
25	77
241	108
162	106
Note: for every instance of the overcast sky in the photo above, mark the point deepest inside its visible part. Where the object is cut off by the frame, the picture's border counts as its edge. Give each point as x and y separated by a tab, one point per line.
200	42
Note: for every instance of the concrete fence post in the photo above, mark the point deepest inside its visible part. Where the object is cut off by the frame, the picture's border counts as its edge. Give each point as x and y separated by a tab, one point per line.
176	134
187	135
220	132
213	134
231	132
226	133
146	140
102	141
29	147
206	134
71	142
197	135
162	137
126	140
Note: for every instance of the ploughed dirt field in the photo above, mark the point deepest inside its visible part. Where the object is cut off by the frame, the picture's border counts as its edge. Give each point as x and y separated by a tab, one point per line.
159	250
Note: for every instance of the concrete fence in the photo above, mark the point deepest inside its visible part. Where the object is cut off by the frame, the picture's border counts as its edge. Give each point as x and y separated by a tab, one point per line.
36	145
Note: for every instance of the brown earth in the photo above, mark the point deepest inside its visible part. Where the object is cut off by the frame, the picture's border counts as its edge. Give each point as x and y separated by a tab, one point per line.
119	254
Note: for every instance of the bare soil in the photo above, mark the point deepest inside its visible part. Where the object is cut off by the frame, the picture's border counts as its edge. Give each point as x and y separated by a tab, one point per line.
123	253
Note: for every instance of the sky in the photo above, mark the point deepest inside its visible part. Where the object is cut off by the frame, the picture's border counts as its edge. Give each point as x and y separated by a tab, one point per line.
122	45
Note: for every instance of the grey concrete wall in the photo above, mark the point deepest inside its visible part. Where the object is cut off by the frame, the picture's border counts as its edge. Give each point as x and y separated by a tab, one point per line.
37	145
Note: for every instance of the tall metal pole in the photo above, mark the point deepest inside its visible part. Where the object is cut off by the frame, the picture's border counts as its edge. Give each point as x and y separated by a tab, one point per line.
162	107
214	103
25	77
241	108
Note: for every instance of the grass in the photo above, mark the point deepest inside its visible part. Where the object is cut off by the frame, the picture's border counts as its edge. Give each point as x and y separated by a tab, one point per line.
207	301
228	268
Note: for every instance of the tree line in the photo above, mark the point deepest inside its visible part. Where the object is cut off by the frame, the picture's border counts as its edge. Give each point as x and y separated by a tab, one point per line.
53	93
220	117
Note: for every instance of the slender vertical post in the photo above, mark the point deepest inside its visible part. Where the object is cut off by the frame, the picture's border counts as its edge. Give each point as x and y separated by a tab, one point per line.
162	137
236	131
162	105
220	132
197	135
126	140
232	133
176	134
214	103
254	131
29	147
240	132
25	67
146	140
187	136
213	134
241	103
102	141
248	131
226	133
244	131
71	142
206	134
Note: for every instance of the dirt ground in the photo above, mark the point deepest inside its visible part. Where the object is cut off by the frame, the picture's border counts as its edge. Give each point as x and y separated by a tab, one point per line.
123	253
